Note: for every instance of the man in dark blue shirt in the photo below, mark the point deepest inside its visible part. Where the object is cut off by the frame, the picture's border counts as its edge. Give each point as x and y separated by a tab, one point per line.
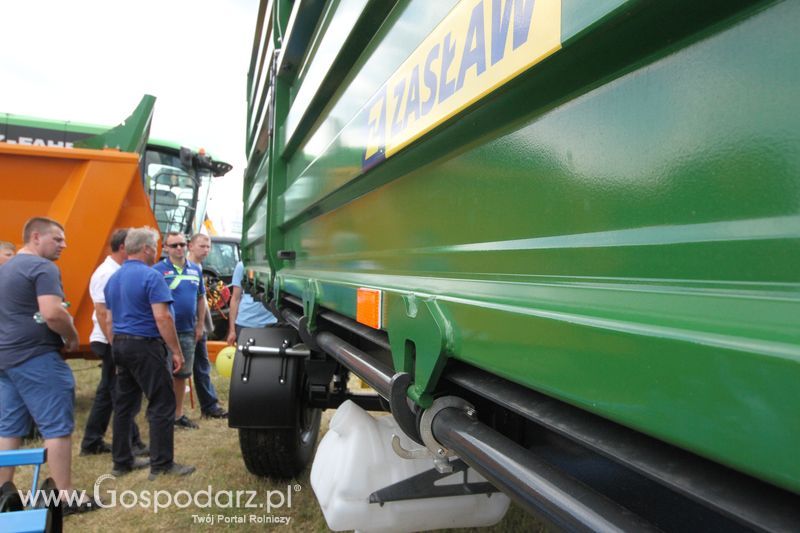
140	321
35	382
185	281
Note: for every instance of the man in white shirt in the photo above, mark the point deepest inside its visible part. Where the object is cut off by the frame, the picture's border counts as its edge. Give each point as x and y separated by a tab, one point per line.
103	404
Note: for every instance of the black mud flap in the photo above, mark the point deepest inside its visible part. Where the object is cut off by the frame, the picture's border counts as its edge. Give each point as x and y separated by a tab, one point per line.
265	389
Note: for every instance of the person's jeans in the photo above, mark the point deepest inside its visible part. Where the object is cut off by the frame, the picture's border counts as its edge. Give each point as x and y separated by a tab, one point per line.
143	366
206	394
103	404
188	346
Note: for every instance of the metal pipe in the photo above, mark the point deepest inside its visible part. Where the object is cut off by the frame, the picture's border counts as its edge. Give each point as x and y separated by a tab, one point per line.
532	483
274	351
375	336
377	375
721	490
291	317
293	300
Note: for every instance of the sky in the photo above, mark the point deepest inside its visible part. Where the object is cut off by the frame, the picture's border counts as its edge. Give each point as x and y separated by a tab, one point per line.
91	61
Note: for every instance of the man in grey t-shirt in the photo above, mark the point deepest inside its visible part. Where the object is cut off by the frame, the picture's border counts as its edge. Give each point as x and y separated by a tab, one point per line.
36	385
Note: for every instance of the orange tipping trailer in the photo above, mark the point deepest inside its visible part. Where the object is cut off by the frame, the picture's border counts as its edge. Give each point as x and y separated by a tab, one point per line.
90	191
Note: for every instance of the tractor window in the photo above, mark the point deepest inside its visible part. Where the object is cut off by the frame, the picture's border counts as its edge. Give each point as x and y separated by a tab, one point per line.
172	197
222	259
172	190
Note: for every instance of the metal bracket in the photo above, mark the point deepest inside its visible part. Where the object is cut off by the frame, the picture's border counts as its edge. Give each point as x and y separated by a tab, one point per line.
283	350
320	374
273	305
249	350
419	453
311	304
308	323
399	404
306	336
440	452
421	337
423	485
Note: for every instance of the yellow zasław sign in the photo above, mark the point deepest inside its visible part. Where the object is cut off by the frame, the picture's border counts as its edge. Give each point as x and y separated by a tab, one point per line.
478	46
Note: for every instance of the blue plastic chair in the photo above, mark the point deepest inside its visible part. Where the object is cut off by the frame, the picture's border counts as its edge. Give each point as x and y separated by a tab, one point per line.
29	520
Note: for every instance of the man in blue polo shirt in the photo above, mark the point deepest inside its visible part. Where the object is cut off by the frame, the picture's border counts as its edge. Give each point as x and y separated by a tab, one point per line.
185	280
140	321
245	311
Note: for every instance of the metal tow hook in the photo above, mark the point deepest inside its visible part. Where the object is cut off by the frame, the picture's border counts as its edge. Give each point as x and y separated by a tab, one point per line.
419	453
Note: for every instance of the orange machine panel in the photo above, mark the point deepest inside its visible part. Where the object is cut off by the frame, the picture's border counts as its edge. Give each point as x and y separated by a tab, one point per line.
90	192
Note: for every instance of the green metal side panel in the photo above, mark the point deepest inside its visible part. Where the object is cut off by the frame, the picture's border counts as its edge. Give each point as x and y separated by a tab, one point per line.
618	227
131	135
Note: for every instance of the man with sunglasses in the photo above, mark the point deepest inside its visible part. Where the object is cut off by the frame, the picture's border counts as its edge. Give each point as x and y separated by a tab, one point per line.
185	280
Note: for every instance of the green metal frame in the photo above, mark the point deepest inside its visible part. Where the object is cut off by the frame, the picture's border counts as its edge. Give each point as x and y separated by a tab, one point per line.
131	135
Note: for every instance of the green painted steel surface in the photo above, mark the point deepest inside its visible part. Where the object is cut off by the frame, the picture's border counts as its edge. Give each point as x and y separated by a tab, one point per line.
131	135
618	227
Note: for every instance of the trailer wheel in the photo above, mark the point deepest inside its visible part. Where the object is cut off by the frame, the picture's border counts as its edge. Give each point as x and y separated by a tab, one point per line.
281	453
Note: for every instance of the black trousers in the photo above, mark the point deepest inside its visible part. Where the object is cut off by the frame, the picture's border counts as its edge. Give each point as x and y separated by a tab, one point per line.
103	404
143	366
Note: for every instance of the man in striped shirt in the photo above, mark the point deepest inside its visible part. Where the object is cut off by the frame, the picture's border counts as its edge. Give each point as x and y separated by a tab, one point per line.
185	280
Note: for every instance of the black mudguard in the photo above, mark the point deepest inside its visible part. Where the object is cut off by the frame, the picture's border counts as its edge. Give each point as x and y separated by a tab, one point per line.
264	400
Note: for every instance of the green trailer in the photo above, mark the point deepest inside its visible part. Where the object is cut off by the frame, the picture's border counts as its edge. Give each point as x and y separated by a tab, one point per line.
579	218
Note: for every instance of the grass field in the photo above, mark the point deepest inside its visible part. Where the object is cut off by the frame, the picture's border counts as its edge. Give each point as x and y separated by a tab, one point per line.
214	450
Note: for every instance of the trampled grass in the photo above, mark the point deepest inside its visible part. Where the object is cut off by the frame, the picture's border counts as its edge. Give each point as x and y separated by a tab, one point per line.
214	450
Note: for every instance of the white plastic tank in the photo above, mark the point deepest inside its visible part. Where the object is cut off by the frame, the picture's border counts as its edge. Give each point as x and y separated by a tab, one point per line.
355	459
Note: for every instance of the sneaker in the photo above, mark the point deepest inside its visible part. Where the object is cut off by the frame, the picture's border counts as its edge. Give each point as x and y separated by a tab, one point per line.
97	449
185	423
76	508
216	412
174	470
140	450
138	464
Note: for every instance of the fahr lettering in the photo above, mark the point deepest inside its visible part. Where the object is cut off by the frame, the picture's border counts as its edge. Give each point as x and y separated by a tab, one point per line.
31	141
